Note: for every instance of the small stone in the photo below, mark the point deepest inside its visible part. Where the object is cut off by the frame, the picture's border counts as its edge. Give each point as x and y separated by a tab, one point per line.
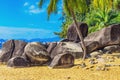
91	66
83	65
68	77
101	60
77	67
111	60
107	65
101	51
95	54
108	52
92	61
103	69
118	57
106	69
91	69
87	68
100	68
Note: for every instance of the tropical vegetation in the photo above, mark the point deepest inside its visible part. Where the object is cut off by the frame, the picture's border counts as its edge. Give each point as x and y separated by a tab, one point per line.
96	13
99	14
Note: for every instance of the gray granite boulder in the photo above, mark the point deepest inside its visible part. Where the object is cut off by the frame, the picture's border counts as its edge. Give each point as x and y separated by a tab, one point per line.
112	49
36	53
71	47
11	49
105	37
72	33
64	60
17	62
7	51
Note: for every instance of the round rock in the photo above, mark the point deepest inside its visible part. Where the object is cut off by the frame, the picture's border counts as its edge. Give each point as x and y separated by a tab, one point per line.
17	62
37	53
64	60
112	49
95	54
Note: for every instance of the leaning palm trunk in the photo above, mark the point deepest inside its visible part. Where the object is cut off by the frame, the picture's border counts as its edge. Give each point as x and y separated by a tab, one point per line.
69	7
80	35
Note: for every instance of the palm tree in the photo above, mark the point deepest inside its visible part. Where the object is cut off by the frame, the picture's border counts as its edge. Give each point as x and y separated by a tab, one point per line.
69	7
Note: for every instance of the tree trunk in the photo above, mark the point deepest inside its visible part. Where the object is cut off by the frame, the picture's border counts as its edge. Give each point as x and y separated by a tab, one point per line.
79	34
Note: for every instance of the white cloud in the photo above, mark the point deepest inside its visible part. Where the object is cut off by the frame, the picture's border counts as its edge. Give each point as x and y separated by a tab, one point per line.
26	4
32	7
35	11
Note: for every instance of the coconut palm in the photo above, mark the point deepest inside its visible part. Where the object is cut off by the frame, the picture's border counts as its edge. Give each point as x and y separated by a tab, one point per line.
69	8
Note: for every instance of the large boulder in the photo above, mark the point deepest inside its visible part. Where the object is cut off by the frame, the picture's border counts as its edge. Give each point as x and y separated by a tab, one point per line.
71	47
72	33
19	48
17	62
36	53
64	60
105	37
7	51
11	49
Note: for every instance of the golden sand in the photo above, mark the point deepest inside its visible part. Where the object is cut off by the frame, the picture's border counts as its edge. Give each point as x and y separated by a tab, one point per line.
74	73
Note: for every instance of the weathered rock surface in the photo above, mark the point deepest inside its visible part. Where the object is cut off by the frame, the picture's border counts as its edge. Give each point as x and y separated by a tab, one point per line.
71	47
36	53
51	47
105	37
64	60
112	49
46	45
64	40
7	51
19	48
17	62
11	49
72	33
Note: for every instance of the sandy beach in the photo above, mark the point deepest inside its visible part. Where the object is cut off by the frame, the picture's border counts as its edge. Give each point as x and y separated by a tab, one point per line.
74	73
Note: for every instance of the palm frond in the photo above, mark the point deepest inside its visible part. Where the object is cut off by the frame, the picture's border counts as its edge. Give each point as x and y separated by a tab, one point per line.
41	3
52	7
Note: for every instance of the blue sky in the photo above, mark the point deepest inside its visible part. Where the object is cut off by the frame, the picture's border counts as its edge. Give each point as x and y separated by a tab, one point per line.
23	19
